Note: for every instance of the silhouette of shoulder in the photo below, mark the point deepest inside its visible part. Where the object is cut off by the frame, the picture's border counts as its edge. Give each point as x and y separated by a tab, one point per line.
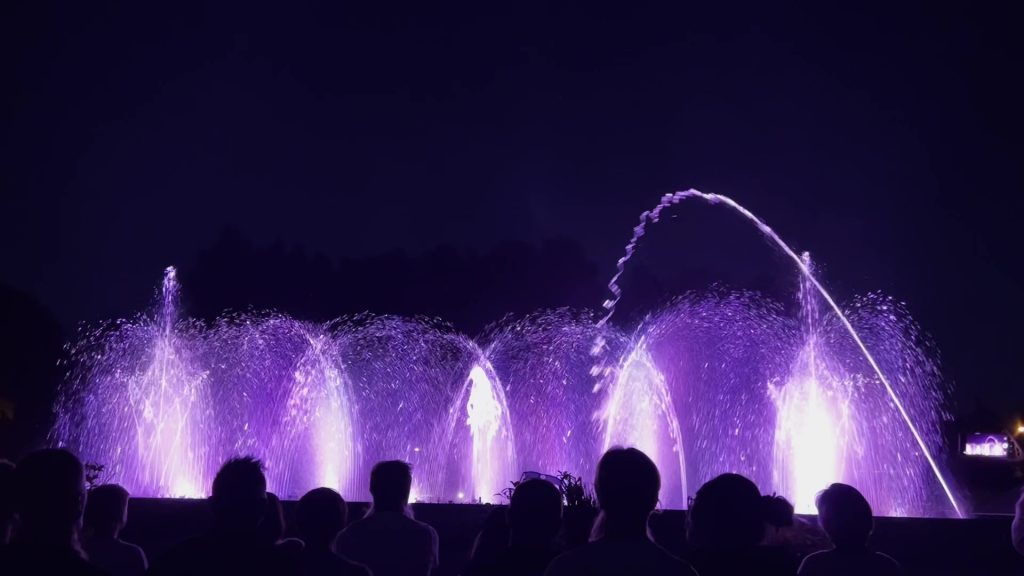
841	563
388	522
761	560
117	557
20	561
614	557
186	557
203	555
511	562
330	564
390	543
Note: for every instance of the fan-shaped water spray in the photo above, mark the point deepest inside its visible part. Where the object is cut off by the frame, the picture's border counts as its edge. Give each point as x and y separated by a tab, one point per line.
139	393
717	353
639	413
543	362
317	431
715	381
652	216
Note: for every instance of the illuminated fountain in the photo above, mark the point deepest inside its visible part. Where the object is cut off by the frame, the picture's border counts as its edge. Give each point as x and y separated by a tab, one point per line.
162	402
861	397
639	413
316	435
282	393
492	459
810	426
714	353
426	394
543	362
812	431
139	395
715	381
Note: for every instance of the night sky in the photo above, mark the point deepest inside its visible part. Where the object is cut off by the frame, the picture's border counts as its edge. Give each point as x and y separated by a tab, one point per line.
886	142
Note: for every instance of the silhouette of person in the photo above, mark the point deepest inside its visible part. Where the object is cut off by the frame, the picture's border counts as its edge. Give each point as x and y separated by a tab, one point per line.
725	527
777	513
1017	528
388	540
271	529
534	517
106	513
627	486
49	495
7	514
236	544
321	516
492	540
787	533
846	517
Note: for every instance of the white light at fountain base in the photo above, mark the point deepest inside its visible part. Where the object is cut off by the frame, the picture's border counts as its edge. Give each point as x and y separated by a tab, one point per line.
164	435
484	418
639	413
652	216
809	441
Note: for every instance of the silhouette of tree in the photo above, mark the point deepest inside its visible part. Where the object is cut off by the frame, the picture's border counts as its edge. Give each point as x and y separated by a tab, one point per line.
29	374
466	287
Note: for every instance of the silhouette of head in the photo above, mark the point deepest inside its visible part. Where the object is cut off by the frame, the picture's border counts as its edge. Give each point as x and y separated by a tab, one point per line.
777	515
627	486
390	483
321	515
845	515
106	510
493	539
239	498
6	501
535	512
776	511
726	514
49	496
272	526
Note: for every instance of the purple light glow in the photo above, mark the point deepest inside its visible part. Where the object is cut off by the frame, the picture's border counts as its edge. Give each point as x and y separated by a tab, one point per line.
639	412
493	454
713	382
915	393
988	446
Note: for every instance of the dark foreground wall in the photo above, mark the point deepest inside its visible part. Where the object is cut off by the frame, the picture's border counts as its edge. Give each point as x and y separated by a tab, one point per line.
978	546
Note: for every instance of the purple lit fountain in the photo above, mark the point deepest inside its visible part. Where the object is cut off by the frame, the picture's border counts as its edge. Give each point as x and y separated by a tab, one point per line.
842	396
714	381
283	393
138	400
544	362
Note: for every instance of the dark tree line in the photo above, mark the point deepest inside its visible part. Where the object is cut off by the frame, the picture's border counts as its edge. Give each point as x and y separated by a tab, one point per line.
467	287
31	341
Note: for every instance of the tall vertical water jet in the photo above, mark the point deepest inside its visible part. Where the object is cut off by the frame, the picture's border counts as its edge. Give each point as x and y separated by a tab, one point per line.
652	216
139	404
810	434
812	431
492	456
164	398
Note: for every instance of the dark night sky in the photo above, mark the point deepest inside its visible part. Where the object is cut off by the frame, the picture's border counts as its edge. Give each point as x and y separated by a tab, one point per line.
885	141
